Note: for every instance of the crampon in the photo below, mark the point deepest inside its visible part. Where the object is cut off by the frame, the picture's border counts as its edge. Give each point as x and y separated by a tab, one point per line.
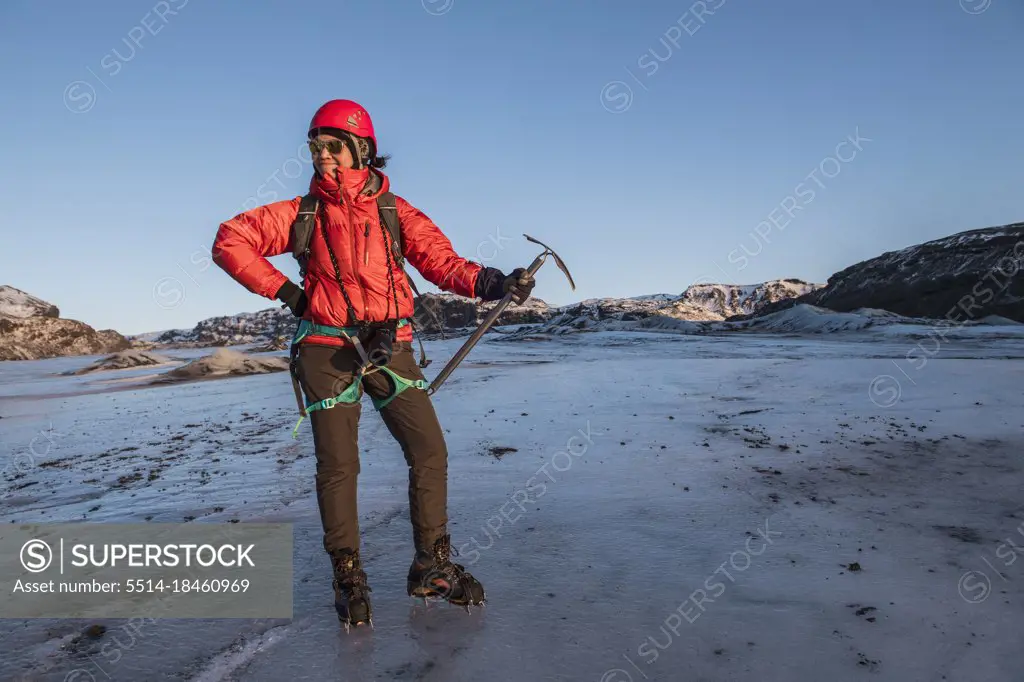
351	592
437	577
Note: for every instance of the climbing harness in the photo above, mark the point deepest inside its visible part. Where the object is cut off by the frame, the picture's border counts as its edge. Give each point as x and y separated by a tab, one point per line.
384	333
354	392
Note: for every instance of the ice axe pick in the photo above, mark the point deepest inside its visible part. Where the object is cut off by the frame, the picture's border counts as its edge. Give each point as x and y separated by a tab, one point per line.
496	311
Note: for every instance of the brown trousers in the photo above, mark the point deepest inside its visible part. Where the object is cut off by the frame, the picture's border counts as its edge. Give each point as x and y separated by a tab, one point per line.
325	372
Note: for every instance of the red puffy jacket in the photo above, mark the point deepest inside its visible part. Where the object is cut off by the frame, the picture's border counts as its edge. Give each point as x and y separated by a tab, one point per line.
243	244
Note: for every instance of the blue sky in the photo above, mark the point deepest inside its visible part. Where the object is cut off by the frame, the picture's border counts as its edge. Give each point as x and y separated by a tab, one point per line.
653	144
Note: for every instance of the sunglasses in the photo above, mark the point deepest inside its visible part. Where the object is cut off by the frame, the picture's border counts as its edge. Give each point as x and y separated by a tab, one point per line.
332	146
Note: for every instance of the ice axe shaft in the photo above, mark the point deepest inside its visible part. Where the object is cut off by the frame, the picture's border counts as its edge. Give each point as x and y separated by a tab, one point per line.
495	312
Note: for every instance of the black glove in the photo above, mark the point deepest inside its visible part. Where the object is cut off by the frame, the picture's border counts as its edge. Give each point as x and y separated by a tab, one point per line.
293	297
521	284
492	285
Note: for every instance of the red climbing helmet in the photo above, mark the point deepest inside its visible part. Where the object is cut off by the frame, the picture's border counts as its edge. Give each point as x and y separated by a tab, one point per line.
346	115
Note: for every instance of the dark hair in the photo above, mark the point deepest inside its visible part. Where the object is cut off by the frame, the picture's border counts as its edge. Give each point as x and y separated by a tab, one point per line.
375	160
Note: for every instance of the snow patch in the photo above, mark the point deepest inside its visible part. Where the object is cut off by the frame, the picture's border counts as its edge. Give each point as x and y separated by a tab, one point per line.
804	318
654	297
19	304
1000	321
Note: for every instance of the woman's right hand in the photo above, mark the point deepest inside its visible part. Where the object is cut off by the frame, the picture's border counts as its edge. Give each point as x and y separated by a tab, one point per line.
293	297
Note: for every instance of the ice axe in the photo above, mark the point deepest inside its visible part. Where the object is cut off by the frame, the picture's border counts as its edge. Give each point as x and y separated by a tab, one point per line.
496	311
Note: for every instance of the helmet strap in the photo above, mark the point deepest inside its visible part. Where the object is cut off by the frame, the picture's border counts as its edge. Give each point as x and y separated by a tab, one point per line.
353	150
361	150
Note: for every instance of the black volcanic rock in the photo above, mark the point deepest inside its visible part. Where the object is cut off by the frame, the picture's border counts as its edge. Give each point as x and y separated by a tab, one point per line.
439	312
963	277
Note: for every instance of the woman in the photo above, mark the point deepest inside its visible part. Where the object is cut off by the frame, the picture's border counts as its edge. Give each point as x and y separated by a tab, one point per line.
354	306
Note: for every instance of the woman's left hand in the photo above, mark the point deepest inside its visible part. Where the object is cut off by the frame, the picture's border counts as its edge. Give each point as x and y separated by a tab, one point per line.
520	284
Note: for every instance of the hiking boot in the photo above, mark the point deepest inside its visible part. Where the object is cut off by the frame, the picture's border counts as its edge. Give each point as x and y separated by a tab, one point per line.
351	593
433	574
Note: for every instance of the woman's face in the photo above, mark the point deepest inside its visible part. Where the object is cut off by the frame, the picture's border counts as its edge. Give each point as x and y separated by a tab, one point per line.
326	162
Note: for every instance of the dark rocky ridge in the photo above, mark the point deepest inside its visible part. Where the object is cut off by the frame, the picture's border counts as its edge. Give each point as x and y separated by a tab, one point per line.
966	276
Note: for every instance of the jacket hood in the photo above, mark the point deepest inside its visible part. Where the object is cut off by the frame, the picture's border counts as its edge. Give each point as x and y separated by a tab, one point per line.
365	184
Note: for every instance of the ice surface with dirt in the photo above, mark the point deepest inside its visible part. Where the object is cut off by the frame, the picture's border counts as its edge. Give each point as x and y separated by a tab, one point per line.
639	505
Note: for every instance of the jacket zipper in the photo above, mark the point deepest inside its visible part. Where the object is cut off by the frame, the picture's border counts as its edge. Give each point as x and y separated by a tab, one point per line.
366	244
355	250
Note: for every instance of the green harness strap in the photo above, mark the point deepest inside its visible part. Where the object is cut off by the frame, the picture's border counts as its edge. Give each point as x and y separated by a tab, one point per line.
400	384
354	392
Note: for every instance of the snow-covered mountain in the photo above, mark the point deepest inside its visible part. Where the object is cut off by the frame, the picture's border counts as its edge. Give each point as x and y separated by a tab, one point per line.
151	337
15	303
962	277
699	303
721	301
